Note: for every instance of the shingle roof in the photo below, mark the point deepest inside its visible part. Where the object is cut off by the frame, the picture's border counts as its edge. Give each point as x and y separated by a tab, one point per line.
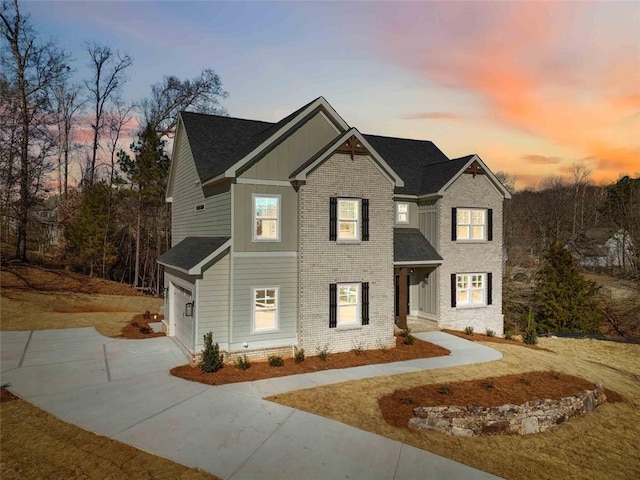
409	245
219	142
191	251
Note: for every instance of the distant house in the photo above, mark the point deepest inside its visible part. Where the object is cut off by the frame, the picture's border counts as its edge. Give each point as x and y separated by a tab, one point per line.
308	233
602	248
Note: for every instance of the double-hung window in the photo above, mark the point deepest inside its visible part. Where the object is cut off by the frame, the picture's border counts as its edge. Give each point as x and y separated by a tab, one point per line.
266	218
348	304
349	219
472	224
470	289
265	309
402	213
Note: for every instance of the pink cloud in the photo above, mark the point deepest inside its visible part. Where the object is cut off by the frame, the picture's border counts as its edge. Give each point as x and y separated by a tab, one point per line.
541	159
430	116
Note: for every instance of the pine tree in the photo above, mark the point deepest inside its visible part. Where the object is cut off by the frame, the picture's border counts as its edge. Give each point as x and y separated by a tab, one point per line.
564	301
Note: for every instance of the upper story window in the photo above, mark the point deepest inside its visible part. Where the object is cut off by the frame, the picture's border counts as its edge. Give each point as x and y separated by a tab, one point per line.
402	213
266	218
348	219
265	309
472	224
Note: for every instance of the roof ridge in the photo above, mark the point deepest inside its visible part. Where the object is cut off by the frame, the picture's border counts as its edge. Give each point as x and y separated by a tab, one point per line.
398	138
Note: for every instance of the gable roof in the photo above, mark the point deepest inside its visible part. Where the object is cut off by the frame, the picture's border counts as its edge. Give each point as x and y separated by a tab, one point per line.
410	247
192	253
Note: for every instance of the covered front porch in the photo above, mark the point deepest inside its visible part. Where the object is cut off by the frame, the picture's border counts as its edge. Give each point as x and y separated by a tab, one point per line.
415	280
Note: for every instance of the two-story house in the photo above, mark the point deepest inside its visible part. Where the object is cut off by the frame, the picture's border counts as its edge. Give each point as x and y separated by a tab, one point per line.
308	233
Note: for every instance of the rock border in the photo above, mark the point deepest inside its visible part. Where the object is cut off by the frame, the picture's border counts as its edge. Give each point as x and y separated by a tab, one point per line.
531	417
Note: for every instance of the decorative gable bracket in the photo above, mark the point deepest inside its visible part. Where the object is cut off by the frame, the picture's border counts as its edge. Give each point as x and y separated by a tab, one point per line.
475	169
352	147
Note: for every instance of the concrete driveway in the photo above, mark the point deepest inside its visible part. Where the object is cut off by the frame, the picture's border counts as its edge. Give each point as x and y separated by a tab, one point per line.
122	389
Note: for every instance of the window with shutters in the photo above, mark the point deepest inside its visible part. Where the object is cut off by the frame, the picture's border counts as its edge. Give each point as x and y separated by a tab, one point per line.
472	224
471	289
348	219
266	218
348	304
265	309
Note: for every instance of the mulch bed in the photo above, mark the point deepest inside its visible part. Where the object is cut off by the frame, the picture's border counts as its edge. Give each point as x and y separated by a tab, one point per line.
7	396
262	370
397	407
478	337
138	327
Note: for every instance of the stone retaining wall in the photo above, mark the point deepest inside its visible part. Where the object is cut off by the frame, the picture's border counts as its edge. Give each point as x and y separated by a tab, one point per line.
532	417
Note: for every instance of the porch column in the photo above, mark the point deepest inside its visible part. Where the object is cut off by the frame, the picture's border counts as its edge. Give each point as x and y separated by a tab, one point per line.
401	321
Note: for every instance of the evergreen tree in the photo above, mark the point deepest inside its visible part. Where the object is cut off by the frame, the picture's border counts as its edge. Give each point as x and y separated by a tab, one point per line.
564	301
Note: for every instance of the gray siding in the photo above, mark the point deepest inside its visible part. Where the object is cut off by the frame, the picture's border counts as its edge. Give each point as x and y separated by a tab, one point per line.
299	147
413	215
213	302
214	220
424	292
174	277
429	224
243	219
264	271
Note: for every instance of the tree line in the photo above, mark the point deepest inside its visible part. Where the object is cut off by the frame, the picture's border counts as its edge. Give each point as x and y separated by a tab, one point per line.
70	173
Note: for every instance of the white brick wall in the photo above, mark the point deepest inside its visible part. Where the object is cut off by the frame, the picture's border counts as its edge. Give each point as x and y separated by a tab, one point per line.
460	257
322	261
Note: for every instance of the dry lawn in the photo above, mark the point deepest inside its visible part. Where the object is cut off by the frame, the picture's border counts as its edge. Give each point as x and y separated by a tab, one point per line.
36	445
38	298
602	444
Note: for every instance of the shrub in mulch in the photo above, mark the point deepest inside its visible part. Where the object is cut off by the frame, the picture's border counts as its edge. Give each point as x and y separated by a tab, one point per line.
479	337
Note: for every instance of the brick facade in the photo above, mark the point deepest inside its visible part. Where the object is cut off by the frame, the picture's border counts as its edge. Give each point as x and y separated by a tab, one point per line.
471	257
322	262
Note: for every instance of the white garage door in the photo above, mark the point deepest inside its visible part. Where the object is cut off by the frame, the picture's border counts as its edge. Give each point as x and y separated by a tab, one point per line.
184	325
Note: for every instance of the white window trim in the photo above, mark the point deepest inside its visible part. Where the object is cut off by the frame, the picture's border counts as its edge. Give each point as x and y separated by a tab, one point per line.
254	310
254	218
403	222
358	220
358	319
470	304
484	224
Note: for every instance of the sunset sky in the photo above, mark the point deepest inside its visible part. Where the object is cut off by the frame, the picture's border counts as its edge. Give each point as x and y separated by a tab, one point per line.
532	87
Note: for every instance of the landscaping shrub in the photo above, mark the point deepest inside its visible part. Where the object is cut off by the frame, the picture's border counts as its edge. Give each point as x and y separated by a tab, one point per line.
275	361
445	389
408	339
299	356
490	333
358	347
530	335
212	359
468	330
381	346
323	352
243	363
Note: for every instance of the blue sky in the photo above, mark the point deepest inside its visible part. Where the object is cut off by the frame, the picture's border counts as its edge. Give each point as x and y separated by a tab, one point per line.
532	87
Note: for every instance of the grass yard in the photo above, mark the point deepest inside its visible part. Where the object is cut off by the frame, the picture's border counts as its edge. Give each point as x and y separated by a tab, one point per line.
602	444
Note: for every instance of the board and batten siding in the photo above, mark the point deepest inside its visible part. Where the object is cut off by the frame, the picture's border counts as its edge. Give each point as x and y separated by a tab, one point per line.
214	220
273	270
311	137
213	304
243	219
413	214
424	292
429	223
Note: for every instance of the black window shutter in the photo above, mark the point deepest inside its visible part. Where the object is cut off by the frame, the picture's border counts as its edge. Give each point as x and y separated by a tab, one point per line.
453	289
365	219
490	224
333	219
489	288
454	225
333	300
365	303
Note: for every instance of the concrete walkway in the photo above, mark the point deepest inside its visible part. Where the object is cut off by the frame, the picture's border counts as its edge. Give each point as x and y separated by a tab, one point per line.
122	389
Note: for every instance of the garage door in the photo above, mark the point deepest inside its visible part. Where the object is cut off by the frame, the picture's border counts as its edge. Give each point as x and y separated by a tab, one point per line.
184	325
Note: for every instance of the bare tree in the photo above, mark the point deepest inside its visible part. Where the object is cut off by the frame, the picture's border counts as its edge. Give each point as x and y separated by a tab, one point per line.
33	67
115	121
108	77
580	174
172	95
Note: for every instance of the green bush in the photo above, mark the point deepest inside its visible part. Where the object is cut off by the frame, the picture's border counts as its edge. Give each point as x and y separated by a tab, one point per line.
242	363
445	389
468	330
275	361
508	333
212	359
359	348
323	352
408	339
490	333
299	356
530	335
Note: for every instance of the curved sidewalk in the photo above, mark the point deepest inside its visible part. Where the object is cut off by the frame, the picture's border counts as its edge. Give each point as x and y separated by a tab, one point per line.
122	389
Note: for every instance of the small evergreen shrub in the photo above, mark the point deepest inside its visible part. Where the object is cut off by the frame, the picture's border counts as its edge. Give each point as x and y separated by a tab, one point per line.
408	339
508	333
530	335
381	346
242	363
487	385
468	330
323	352
275	361
299	355
445	389
212	359
490	333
